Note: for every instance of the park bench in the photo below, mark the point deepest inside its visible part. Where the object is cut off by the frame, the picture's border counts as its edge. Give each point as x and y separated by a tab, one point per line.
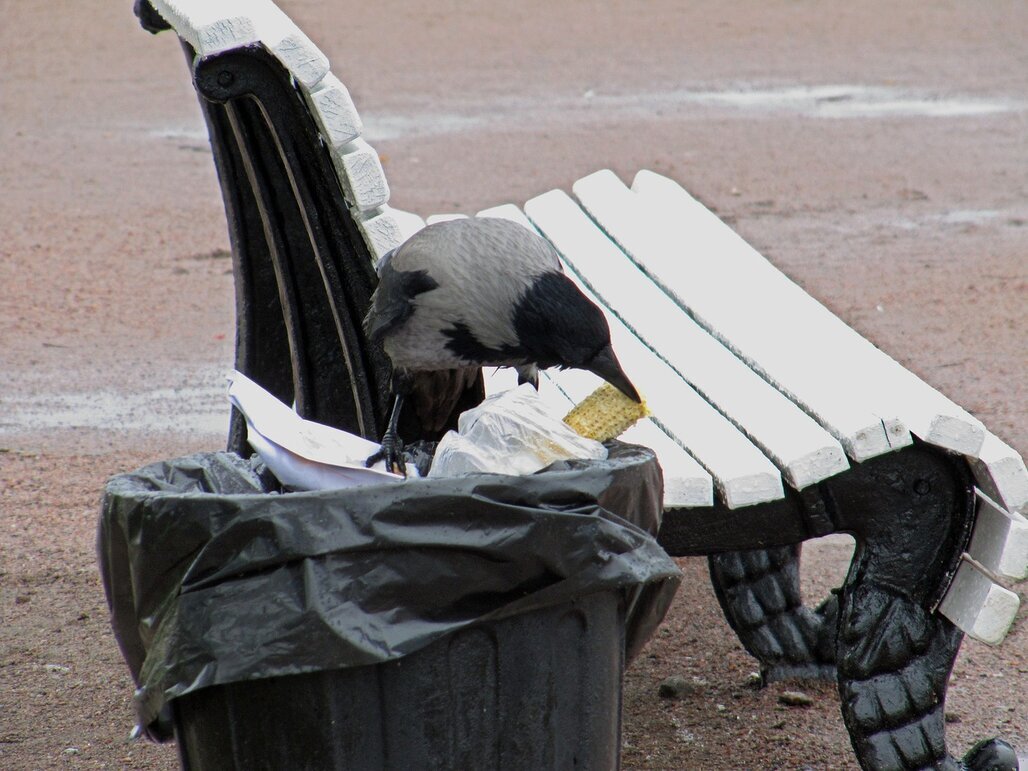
773	421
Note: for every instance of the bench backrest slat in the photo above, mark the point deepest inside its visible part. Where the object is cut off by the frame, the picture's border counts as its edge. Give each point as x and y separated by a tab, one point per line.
213	26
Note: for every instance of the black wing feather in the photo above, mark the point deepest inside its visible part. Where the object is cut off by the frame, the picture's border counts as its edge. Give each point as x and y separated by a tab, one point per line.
391	304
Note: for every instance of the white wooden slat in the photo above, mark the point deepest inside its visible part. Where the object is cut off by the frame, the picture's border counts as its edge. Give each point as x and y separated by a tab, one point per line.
1000	472
1000	540
743	475
891	391
361	174
209	26
977	605
731	291
802	449
213	26
434	218
499	379
334	112
304	60
381	231
408	222
686	483
508	211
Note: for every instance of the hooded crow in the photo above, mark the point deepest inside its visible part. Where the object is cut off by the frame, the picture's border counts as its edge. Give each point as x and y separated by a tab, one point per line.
467	293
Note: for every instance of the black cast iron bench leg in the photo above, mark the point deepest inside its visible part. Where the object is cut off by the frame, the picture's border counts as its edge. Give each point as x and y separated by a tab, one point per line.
910	517
910	513
759	593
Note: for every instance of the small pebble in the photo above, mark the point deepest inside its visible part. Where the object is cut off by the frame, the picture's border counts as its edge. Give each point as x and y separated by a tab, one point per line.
72	751
795	699
677	687
953	717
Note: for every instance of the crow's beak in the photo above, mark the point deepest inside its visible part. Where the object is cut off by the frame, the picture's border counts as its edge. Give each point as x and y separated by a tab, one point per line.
605	364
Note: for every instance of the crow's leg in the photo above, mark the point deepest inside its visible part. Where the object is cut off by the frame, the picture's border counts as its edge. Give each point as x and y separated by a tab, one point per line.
392	446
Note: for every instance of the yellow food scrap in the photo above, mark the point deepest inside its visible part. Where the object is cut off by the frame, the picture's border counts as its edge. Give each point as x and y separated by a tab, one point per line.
604	414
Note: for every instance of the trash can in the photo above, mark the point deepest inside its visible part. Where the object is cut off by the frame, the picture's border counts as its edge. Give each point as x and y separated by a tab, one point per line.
476	622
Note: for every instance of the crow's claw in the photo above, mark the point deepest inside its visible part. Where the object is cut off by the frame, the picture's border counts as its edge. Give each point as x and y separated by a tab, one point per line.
392	453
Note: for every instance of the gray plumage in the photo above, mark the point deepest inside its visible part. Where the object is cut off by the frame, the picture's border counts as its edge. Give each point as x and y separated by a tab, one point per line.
466	273
467	293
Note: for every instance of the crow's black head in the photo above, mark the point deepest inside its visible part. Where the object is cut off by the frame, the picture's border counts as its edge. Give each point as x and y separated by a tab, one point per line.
559	326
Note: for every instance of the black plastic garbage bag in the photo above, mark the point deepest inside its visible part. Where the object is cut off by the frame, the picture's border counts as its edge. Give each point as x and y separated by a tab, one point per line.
211	580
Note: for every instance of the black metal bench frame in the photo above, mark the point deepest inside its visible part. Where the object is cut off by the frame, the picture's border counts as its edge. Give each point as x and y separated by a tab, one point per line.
304	278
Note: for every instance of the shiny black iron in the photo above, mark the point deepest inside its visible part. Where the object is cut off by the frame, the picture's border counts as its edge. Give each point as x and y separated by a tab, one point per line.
910	513
304	276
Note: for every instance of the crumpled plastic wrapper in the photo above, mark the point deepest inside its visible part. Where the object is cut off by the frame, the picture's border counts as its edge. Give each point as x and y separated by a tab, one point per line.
212	580
510	433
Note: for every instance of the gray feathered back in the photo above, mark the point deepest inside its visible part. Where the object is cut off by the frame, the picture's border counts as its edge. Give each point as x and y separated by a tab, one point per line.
468	271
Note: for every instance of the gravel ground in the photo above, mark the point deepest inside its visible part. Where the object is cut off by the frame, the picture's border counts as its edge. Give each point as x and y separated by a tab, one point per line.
875	152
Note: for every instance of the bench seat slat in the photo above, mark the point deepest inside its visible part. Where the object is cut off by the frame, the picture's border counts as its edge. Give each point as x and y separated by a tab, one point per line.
977	605
434	218
1000	540
777	323
735	294
213	26
508	211
742	473
408	222
686	484
805	452
1000	472
893	390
